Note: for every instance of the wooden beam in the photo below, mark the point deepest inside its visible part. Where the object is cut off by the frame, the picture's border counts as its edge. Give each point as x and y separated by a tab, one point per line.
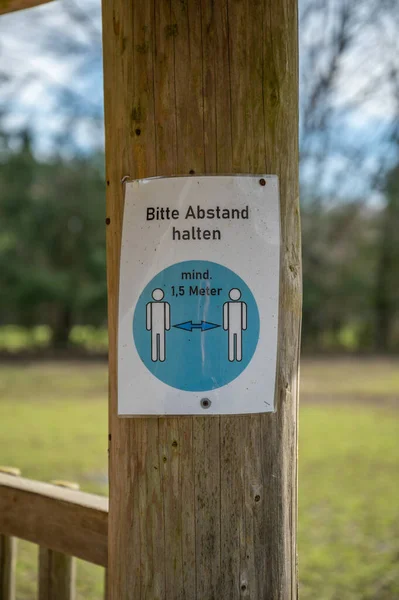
204	507
7	6
67	521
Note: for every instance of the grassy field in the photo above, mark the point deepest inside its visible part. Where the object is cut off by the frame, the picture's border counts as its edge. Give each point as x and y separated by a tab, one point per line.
53	424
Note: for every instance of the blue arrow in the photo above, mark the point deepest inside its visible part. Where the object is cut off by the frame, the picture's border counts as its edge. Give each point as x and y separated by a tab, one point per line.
189	326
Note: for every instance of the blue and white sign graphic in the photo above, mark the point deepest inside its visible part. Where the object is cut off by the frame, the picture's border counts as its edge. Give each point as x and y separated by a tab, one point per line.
196	325
199	296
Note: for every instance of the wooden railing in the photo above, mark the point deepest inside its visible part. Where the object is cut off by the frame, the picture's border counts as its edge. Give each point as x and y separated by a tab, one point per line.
64	522
7	6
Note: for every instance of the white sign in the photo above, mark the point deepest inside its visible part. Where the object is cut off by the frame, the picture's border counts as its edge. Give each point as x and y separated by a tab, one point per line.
199	293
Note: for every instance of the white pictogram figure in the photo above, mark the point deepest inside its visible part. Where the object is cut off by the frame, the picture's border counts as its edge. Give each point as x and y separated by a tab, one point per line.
235	322
158	321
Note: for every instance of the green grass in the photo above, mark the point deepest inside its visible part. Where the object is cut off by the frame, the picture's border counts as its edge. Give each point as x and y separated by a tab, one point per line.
350	378
53	425
53	422
348	503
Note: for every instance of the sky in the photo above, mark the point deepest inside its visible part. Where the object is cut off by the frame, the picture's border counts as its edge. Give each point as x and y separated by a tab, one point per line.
51	76
51	73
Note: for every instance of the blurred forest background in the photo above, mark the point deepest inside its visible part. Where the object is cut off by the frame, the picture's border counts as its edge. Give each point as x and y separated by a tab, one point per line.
52	204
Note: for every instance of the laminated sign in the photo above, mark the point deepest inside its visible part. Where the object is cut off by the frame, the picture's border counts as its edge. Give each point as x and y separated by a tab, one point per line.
198	296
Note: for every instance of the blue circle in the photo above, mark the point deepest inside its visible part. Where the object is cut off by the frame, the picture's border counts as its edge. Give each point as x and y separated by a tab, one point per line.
201	298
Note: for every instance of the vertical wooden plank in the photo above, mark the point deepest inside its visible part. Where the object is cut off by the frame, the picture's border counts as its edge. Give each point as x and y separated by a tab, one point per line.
8	559
8	554
106	584
57	575
204	507
57	571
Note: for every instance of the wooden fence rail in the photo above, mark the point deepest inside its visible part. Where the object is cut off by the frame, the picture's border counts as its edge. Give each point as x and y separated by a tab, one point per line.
7	6
63	522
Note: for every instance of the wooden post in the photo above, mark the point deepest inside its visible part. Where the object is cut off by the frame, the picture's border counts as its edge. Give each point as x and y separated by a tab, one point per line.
57	575
106	584
8	554
205	507
57	571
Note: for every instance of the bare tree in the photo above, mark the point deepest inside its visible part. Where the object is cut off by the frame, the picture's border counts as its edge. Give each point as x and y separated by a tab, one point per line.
52	83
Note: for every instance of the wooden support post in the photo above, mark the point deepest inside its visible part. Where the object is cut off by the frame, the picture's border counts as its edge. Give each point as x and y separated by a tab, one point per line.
8	554
57	575
106	584
204	507
57	571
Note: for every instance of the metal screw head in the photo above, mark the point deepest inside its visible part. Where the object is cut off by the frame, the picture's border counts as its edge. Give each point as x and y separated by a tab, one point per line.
205	403
262	181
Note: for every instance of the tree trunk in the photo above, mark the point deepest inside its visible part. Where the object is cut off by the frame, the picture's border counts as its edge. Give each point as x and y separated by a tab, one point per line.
62	328
386	296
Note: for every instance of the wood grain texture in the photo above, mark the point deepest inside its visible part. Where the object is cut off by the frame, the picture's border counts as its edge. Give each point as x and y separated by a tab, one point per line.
57	571
106	585
8	553
63	520
8	559
7	6
57	575
204	507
